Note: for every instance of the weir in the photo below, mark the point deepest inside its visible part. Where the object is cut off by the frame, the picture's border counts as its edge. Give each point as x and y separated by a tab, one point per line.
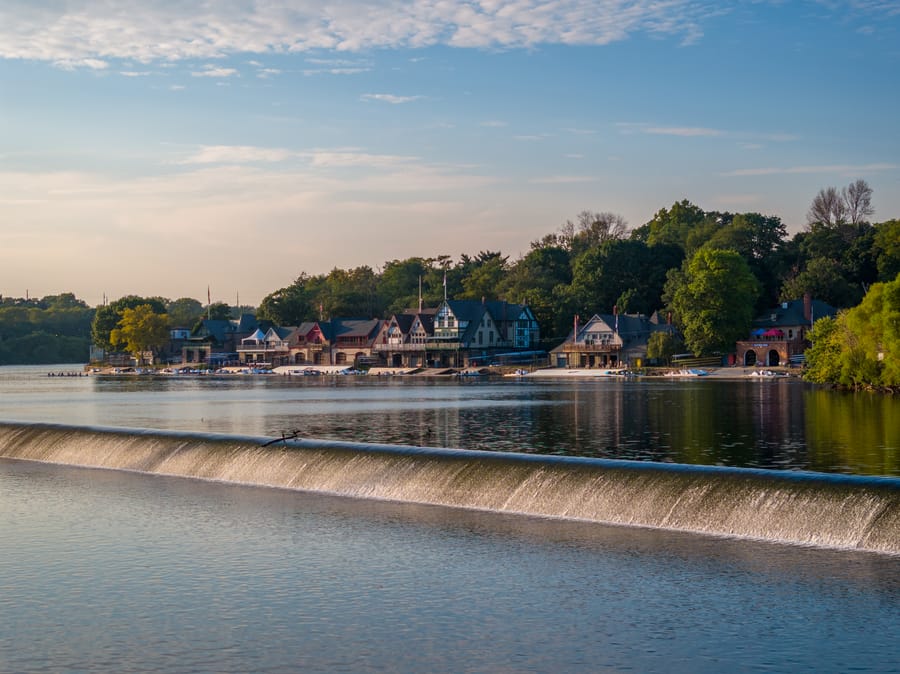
835	511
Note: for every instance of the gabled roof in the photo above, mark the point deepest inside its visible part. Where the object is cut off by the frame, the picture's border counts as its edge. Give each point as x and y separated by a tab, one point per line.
466	310
426	319
404	322
246	323
789	314
632	329
281	332
351	327
504	311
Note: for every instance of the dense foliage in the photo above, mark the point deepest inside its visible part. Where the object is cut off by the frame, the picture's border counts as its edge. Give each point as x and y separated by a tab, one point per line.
588	265
861	347
54	329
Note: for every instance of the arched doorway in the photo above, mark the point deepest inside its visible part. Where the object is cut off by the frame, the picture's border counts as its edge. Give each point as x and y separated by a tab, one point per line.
340	358
396	360
750	358
774	360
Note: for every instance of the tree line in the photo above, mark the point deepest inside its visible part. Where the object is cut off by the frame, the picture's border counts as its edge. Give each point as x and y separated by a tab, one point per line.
712	271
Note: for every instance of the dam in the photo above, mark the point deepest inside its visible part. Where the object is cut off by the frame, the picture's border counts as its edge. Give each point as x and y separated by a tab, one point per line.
830	511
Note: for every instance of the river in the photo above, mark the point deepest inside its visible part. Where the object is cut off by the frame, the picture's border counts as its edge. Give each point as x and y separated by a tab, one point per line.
110	571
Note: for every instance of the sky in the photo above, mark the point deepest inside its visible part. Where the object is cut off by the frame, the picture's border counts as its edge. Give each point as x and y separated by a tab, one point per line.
222	148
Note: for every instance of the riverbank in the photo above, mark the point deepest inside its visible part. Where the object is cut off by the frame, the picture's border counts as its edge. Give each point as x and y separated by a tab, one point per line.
728	373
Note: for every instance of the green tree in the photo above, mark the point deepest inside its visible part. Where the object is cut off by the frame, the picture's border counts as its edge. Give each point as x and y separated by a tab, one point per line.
292	305
141	329
218	311
712	298
887	249
861	347
663	345
823	357
540	279
184	312
348	293
483	277
760	240
673	225
107	317
625	273
398	285
823	280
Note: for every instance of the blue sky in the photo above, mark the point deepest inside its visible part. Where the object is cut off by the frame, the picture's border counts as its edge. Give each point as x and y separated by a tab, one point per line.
160	147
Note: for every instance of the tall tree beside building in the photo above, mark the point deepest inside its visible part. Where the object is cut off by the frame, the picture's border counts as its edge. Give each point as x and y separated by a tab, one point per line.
887	249
712	297
541	280
291	305
484	275
141	329
861	347
184	312
672	225
107	317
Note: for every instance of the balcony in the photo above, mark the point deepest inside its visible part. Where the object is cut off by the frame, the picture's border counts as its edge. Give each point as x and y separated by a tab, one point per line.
264	348
581	347
430	346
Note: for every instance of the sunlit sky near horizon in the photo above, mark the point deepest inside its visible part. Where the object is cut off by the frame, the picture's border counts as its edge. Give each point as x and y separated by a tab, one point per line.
156	147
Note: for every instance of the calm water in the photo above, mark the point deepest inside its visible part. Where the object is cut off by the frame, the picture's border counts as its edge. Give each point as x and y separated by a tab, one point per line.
110	572
768	424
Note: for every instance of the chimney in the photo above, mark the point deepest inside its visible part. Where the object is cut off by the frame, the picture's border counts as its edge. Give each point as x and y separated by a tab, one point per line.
807	307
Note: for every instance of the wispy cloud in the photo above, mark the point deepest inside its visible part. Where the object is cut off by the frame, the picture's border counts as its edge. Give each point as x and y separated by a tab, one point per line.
629	128
236	154
660	130
684	131
389	98
214	71
320	66
562	180
842	169
75	63
341	157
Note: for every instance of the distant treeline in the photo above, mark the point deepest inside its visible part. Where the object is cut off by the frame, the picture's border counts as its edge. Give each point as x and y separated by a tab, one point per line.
712	271
673	263
53	329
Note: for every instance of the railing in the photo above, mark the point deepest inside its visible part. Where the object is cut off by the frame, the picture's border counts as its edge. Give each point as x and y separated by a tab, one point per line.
442	346
430	346
591	348
263	348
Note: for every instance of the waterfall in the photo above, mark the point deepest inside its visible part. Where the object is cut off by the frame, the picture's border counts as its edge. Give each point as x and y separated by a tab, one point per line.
837	511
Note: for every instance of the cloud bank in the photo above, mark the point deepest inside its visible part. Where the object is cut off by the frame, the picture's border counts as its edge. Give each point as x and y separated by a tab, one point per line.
84	32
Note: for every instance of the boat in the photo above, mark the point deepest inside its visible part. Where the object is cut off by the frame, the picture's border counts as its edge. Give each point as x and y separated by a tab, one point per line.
688	372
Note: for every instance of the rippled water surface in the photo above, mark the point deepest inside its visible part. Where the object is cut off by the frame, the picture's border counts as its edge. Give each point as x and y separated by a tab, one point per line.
115	572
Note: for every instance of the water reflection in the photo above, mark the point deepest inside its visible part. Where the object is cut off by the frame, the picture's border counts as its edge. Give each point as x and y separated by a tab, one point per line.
766	424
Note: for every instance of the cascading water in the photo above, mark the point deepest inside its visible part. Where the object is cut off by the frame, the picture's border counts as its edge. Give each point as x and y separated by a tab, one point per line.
801	508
